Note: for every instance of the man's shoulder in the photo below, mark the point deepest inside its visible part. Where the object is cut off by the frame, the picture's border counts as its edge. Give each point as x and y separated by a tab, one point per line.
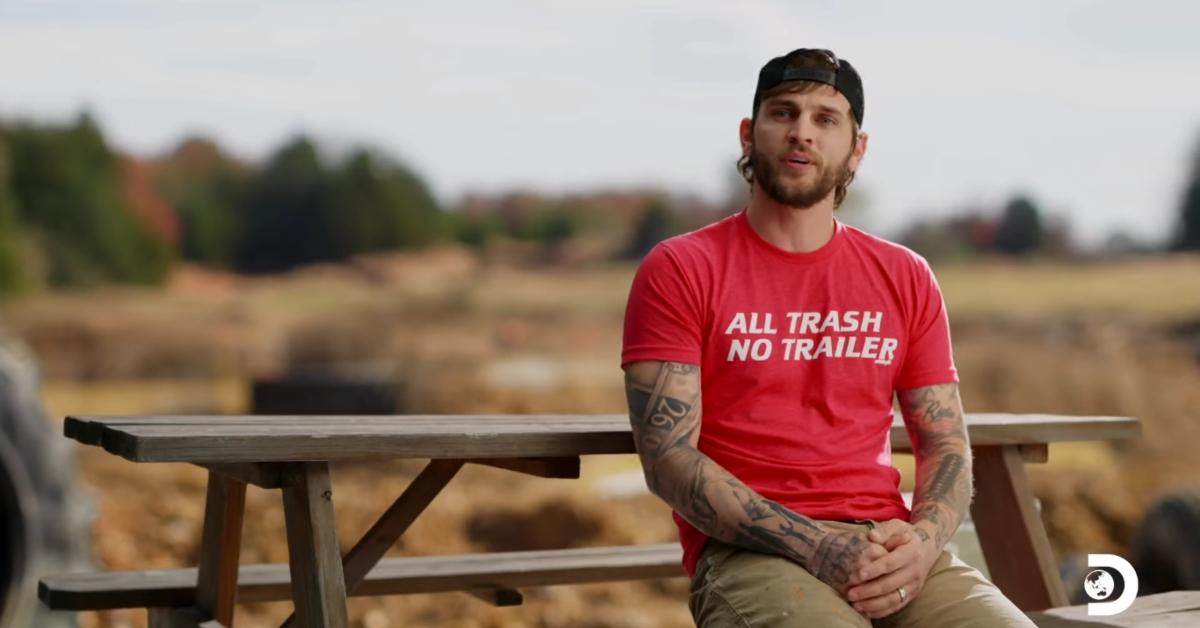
702	243
886	250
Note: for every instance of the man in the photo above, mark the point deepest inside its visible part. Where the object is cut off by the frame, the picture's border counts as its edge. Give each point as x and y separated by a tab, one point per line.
797	330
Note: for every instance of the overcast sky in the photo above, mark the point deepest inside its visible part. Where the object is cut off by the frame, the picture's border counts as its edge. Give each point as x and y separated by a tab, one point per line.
1092	107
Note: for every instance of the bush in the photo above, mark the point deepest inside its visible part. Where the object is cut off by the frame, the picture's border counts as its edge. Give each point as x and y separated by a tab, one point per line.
658	222
1020	230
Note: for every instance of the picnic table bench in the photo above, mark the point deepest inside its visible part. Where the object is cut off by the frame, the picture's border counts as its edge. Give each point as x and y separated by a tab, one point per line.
294	453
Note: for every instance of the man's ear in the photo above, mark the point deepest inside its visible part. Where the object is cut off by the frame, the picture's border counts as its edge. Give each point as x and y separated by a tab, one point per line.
860	150
746	136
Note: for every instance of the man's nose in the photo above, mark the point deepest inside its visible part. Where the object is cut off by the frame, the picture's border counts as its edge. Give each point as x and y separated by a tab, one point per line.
802	131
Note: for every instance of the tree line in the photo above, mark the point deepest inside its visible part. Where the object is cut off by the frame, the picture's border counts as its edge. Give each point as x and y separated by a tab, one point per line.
73	211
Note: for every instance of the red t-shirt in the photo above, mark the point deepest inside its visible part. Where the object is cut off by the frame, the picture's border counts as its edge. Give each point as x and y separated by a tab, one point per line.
800	354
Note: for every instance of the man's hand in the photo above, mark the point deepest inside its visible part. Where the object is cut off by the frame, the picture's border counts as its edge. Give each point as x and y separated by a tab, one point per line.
911	554
841	555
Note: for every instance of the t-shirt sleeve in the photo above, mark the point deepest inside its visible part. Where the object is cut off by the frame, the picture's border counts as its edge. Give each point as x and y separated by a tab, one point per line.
663	317
929	359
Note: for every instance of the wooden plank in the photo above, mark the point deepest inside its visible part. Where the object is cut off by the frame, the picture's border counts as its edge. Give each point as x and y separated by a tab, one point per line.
314	559
392	576
220	547
147	440
354	422
86	432
1011	533
262	475
394	522
350	420
268	446
262	439
560	468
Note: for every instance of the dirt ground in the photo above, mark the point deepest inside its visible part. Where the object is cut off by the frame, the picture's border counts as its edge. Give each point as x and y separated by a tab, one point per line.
459	336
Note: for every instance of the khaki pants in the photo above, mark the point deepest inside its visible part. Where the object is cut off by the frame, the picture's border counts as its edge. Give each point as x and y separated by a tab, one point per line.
743	589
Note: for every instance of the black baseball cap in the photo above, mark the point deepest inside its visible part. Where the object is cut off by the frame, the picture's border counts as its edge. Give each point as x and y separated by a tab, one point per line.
845	79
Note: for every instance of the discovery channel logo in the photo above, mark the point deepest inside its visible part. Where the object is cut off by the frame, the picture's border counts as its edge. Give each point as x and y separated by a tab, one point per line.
1100	585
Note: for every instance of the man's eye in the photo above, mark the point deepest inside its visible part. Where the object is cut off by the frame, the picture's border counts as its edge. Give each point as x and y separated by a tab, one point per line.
783	113
828	120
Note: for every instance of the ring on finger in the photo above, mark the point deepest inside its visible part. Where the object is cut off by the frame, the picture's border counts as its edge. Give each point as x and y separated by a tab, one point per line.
903	594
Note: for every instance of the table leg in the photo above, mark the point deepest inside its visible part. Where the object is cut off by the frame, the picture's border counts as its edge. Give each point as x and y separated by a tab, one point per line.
1011	533
220	546
318	588
394	522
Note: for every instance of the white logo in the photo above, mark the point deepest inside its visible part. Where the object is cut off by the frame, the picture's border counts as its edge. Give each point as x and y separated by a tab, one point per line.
1099	584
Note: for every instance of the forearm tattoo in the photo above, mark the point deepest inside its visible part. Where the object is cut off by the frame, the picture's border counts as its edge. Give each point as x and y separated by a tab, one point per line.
665	413
944	487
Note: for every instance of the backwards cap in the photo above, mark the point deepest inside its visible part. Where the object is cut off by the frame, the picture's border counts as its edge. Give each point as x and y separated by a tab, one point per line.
845	79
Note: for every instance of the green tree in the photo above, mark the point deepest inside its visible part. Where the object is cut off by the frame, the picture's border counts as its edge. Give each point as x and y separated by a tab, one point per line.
12	279
1020	230
284	217
658	222
298	211
422	220
553	225
1187	236
475	230
379	204
66	183
205	187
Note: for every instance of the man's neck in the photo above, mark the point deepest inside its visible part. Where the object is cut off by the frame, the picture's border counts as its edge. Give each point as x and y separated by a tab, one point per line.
793	229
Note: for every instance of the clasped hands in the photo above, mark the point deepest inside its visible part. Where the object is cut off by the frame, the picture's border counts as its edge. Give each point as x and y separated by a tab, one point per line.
873	590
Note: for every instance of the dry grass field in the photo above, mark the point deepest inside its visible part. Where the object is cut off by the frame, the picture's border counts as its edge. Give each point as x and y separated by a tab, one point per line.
461	336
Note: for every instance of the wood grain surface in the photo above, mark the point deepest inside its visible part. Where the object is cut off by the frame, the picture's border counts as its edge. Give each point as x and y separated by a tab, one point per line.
258	438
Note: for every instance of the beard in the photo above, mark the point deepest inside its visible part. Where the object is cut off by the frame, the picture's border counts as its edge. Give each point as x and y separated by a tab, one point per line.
797	193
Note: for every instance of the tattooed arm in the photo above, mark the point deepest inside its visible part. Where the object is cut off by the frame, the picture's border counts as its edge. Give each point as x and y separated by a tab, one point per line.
664	409
934	418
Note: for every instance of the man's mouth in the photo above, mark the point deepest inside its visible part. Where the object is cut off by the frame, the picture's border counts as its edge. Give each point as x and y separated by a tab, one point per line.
798	161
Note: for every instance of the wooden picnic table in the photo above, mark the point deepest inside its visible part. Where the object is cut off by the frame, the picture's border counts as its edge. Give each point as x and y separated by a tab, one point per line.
293	454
